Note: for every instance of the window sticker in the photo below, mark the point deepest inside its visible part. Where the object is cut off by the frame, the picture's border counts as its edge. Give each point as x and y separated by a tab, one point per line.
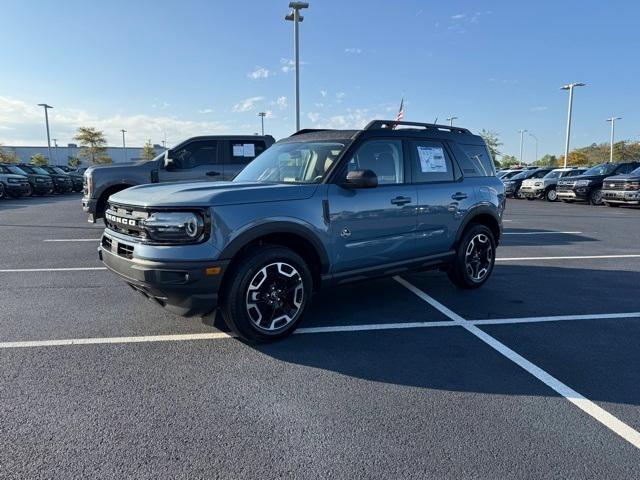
238	150
432	160
249	150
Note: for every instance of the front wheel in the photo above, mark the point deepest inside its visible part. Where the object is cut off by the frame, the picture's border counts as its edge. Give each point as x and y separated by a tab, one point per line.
595	197
267	294
551	195
475	258
2	192
29	192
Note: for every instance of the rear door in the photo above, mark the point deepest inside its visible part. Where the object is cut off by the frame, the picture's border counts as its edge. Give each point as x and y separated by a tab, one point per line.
195	160
238	154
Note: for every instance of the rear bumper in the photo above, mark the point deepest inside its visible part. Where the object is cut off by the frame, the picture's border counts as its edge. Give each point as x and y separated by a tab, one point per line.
619	196
183	288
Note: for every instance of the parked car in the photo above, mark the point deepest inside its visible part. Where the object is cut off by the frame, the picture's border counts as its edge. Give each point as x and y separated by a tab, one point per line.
321	207
38	184
62	183
210	158
622	189
588	186
513	184
76	180
545	187
13	185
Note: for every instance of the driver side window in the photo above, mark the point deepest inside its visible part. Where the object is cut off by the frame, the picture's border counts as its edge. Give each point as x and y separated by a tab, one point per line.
195	154
383	157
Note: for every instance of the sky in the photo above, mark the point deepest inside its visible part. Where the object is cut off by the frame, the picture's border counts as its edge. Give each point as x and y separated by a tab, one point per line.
173	69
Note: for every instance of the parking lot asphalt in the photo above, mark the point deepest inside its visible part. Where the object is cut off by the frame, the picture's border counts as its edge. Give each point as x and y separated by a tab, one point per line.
395	378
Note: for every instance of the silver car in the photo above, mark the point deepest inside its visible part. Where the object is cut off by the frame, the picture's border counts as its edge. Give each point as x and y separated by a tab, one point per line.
545	187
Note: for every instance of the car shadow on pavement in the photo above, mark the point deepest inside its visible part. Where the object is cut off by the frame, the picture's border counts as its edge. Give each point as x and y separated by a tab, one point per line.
537	236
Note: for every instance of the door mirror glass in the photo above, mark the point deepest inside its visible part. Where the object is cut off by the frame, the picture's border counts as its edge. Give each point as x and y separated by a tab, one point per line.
361	179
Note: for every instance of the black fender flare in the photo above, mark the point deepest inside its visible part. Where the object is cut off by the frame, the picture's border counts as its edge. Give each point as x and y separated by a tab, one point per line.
279	227
474	213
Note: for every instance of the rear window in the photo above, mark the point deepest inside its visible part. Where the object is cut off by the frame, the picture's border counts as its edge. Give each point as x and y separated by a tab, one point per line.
477	161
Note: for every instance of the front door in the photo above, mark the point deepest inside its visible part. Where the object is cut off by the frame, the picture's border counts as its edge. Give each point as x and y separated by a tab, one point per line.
195	160
373	226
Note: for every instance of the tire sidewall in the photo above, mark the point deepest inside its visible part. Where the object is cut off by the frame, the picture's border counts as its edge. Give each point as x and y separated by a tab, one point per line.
592	200
234	297
551	192
464	280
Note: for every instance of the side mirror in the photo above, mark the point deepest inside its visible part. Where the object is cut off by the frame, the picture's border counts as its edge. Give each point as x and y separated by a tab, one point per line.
169	164
361	179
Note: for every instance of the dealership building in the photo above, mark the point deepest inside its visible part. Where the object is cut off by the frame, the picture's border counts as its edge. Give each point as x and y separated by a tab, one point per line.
60	154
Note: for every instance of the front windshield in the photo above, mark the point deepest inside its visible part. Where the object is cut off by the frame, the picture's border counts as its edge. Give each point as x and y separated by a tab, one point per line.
602	169
295	162
554	174
39	170
58	170
522	175
635	172
16	170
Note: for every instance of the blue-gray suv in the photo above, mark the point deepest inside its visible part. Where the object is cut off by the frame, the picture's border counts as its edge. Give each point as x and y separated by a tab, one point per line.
320	208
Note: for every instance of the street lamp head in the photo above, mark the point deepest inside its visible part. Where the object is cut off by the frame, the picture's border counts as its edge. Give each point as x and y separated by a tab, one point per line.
123	131
298	5
571	85
291	17
44	105
262	114
613	119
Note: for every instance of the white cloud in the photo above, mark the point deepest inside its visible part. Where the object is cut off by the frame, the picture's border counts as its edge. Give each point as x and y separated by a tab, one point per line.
247	104
161	105
313	116
354	118
260	72
288	65
205	110
24	124
352	50
323	93
340	96
459	16
282	102
541	108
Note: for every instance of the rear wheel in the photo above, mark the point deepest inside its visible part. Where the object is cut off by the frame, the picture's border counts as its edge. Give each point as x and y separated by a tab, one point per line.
475	258
595	197
267	294
551	195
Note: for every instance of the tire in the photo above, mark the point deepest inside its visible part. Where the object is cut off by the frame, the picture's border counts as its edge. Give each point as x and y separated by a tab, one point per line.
595	197
466	272
29	192
2	192
551	195
269	282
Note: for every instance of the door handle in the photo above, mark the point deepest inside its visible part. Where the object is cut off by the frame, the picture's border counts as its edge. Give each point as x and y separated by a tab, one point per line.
400	201
213	174
459	196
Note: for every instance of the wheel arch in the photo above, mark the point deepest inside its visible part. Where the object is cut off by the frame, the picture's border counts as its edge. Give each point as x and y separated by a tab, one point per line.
482	215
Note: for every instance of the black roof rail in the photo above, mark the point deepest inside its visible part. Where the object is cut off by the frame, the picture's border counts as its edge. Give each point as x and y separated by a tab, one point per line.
391	124
308	130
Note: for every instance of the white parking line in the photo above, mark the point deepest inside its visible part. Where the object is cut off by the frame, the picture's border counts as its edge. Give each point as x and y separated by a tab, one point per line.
557	318
69	269
541	233
569	257
613	423
72	240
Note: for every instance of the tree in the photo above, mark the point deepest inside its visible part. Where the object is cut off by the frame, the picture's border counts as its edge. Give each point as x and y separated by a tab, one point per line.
576	158
493	143
94	145
74	162
148	153
8	157
547	161
508	161
39	159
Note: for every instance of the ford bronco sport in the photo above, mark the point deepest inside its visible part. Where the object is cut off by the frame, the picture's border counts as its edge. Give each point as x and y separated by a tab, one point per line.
319	208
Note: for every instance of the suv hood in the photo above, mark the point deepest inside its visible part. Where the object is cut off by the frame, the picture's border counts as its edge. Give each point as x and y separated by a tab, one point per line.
211	194
13	175
115	167
625	176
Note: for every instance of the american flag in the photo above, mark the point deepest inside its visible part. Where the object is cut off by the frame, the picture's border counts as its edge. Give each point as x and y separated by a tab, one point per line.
400	115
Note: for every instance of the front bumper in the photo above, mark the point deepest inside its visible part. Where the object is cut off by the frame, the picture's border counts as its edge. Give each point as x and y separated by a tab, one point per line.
17	189
42	188
89	206
630	197
63	187
529	192
183	288
581	193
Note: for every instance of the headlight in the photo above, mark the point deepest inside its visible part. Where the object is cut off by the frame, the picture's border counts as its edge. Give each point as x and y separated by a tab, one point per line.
174	226
508	182
633	186
538	184
13	180
582	183
40	180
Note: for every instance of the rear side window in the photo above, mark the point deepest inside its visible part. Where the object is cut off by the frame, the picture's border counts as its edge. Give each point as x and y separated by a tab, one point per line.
245	151
625	168
430	162
477	161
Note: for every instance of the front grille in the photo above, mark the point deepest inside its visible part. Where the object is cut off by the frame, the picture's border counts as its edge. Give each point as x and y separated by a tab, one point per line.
565	185
620	185
106	243
125	250
126	220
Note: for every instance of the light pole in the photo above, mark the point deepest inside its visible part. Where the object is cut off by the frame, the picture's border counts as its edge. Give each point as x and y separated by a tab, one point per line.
450	120
262	115
55	150
124	145
613	130
536	139
569	87
46	119
296	18
522	132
